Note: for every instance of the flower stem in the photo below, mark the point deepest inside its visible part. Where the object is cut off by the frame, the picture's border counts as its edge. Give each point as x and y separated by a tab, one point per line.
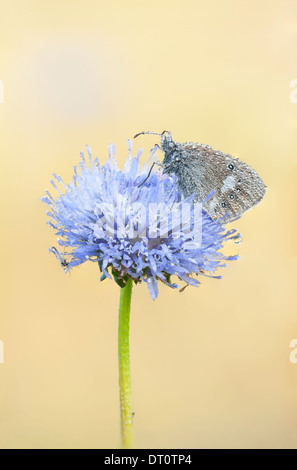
124	366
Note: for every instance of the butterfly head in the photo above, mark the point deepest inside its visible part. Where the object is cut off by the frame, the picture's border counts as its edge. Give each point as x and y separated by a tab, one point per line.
168	145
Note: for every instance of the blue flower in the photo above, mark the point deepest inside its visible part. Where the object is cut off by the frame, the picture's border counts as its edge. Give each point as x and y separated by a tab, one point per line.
132	225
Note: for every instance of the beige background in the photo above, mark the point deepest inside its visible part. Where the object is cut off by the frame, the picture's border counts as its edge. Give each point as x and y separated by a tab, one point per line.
210	367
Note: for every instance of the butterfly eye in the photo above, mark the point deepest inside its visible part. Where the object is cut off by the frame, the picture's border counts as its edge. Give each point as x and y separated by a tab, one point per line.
239	180
231	166
223	204
238	190
231	196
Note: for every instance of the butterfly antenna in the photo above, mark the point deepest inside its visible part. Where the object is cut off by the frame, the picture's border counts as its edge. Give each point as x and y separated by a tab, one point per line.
150	132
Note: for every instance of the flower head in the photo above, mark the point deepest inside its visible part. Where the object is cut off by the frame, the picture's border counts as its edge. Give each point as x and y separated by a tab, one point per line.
134	226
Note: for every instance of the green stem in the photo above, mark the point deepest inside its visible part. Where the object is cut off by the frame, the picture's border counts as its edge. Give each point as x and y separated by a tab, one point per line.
124	367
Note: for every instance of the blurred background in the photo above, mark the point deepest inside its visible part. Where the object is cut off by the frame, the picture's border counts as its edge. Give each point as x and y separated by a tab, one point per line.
210	366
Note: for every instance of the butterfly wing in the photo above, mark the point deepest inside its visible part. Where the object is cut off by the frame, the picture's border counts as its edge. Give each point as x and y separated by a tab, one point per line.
63	262
57	254
238	187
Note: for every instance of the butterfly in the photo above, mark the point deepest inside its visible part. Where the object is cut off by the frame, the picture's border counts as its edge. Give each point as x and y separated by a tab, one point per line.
201	170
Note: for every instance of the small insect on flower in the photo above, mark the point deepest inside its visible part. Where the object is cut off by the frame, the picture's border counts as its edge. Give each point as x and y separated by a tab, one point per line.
63	262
